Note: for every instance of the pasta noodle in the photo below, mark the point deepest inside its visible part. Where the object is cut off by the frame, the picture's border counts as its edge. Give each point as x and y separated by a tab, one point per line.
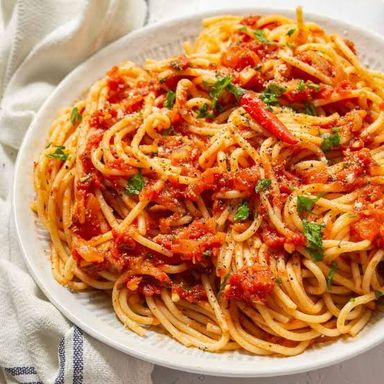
231	196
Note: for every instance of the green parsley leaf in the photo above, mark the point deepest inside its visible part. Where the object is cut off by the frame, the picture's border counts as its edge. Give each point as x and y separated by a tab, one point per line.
236	91
331	273
279	280
291	32
352	300
75	116
260	35
309	109
300	85
202	111
59	153
243	29
170	99
330	142
378	294
242	212
305	204
218	88
135	184
263	185
270	94
224	282
312	231
314	86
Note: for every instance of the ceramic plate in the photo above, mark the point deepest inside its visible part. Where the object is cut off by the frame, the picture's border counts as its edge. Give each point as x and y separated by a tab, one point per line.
92	311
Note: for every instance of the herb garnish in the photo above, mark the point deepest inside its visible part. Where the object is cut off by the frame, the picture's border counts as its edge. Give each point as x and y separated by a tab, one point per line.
300	85
263	185
170	99
331	273
330	142
260	35
270	94
135	184
309	109
291	32
75	116
218	88
312	231
242	212
59	153
224	282
305	204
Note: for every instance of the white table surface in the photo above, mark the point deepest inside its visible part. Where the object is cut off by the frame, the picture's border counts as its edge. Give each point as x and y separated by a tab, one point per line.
364	369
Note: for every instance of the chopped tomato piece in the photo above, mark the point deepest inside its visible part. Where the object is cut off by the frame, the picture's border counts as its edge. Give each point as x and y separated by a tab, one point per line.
250	284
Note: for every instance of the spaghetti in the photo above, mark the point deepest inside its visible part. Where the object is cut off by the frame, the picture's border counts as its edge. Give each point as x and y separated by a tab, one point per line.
231	196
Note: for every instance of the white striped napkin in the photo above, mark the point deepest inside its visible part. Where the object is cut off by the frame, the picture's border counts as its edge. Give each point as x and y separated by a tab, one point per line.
42	40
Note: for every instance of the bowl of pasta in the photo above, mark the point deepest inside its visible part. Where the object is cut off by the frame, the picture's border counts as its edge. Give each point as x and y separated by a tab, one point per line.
207	193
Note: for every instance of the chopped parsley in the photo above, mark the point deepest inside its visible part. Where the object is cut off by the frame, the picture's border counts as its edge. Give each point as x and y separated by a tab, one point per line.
218	88
314	86
75	116
305	204
263	185
236	91
309	109
330	142
170	99
260	35
242	212
312	231
59	153
222	84
224	282
135	184
291	32
300	85
202	111
331	273
279	280
270	94
378	294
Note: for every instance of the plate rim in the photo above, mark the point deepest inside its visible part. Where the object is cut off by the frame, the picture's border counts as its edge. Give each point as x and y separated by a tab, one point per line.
208	369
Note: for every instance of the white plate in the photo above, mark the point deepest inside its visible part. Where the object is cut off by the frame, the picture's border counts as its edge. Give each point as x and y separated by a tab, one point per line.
92	311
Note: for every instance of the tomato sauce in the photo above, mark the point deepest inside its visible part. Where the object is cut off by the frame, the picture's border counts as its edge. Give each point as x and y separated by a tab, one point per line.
250	284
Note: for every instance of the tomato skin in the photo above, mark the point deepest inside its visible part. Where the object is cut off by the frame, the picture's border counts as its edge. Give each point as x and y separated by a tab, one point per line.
192	294
91	225
251	21
250	284
239	57
365	229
